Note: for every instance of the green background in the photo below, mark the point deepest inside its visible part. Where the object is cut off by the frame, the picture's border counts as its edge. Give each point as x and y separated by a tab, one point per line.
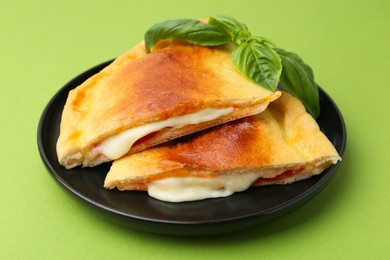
46	43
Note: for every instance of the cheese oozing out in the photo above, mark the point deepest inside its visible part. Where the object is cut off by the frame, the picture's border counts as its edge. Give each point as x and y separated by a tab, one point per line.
118	145
180	189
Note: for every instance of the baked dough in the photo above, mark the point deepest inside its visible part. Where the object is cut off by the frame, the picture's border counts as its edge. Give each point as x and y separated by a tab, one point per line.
281	145
139	89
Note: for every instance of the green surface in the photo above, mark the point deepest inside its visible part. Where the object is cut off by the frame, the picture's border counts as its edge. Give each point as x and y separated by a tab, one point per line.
44	44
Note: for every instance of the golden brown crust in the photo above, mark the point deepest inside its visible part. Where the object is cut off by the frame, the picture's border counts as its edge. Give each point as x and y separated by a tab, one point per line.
138	89
284	137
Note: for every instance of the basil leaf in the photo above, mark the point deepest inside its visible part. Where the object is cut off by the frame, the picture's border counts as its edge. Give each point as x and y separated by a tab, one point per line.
259	62
265	41
298	79
236	29
190	30
227	23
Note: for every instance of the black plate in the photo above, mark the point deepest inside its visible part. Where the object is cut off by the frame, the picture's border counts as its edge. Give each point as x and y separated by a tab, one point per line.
212	216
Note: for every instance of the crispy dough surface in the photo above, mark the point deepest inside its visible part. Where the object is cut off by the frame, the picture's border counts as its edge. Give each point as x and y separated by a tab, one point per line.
282	137
139	88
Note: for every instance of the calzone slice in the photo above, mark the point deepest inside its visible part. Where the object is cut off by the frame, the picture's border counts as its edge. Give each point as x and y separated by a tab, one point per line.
141	100
281	145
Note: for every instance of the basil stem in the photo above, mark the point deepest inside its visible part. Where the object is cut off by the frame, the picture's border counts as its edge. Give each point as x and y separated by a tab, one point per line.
238	31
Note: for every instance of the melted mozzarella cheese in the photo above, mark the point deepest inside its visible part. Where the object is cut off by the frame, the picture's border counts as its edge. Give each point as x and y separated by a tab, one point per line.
179	189
118	145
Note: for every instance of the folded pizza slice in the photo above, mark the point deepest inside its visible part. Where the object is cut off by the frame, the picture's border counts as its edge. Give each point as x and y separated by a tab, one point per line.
281	145
141	100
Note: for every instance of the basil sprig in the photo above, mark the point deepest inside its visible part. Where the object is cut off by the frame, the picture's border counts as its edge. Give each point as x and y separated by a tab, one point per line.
256	57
